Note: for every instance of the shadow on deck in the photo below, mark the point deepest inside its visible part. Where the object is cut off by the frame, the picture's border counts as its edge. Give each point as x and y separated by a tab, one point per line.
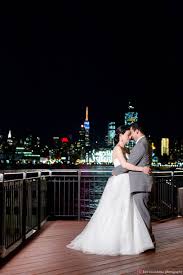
46	253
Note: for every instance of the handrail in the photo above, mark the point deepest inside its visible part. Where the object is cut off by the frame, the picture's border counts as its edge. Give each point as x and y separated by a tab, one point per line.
50	171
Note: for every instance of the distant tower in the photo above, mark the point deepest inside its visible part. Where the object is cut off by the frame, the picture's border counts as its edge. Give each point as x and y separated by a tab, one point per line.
81	142
9	139
82	136
165	146
87	129
9	134
130	117
111	133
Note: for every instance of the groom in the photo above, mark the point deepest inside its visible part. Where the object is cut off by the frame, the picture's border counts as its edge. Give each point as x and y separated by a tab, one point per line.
140	183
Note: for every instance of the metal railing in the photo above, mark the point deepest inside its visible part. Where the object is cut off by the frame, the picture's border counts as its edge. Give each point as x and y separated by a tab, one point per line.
28	198
76	193
23	205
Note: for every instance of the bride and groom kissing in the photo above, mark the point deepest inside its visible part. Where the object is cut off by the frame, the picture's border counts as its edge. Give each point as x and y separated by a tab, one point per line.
121	224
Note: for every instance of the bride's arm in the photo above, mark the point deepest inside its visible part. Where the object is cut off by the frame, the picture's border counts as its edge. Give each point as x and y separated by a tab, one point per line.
128	165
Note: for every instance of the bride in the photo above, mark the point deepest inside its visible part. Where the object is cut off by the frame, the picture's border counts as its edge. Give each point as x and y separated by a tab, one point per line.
116	227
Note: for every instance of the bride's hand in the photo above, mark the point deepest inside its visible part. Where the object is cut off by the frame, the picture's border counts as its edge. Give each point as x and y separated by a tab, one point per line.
146	170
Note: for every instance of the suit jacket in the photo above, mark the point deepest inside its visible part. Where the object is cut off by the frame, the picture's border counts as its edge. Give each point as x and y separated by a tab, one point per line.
140	156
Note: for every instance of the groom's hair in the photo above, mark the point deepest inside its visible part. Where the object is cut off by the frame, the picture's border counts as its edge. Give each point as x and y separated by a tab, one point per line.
137	126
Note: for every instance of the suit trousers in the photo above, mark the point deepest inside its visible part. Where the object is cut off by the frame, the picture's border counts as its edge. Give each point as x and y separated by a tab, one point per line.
141	200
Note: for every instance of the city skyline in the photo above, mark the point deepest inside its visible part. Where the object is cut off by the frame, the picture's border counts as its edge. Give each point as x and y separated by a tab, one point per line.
54	65
73	132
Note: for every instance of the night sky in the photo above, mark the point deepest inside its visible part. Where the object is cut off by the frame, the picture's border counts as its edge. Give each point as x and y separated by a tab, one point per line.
55	62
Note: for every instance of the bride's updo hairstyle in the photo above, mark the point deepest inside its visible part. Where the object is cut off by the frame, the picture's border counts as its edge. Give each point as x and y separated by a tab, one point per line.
120	130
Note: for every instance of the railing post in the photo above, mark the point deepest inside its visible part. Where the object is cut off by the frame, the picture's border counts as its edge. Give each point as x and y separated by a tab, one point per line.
79	194
39	200
172	194
24	207
49	194
2	215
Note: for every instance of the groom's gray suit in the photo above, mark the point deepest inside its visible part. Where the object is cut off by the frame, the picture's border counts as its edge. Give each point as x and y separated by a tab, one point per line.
140	183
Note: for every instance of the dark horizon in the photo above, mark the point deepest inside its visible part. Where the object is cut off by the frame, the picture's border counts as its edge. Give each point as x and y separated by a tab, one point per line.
54	64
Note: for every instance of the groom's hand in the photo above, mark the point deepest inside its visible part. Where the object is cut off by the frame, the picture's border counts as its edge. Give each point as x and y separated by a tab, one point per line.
147	170
113	173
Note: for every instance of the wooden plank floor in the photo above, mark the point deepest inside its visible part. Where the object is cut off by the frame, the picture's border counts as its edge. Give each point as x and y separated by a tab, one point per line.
47	254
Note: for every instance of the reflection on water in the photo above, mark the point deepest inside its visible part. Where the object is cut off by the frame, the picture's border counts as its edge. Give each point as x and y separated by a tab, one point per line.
92	186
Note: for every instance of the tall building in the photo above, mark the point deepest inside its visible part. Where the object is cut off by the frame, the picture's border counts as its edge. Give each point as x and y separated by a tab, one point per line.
87	130
130	117
1	144
9	140
111	133
82	137
176	149
28	142
165	146
81	142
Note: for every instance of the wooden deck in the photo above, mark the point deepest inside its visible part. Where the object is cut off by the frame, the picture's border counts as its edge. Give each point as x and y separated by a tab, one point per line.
46	253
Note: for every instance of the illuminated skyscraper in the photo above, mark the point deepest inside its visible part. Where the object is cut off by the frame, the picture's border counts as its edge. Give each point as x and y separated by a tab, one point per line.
87	129
81	142
9	140
82	137
165	146
111	133
130	117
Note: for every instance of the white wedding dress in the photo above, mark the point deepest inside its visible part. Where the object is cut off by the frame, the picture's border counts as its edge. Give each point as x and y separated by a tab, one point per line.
116	227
